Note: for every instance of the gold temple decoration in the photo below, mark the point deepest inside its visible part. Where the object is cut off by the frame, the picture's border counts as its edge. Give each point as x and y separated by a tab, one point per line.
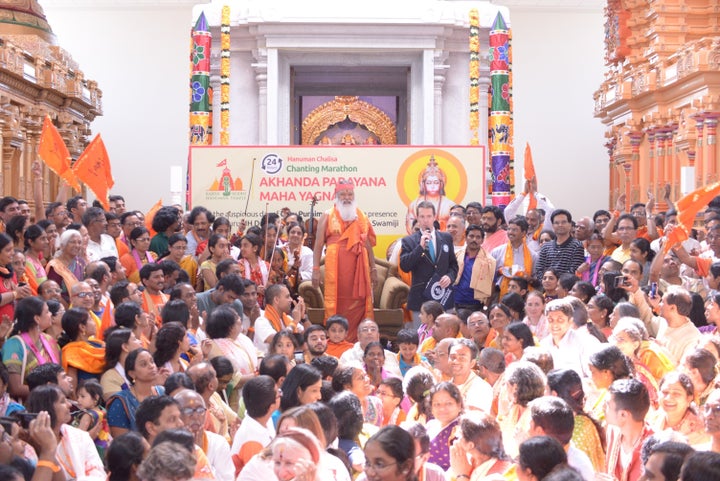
474	41
348	107
225	77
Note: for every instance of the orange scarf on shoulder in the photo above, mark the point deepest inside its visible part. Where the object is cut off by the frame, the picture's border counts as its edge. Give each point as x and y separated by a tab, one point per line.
83	355
279	320
536	234
508	262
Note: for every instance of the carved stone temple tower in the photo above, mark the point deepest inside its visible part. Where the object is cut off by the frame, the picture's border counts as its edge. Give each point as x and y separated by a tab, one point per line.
37	77
661	96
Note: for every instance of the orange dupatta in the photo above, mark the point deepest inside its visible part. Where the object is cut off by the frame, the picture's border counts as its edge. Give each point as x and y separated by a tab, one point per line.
508	262
278	323
84	356
62	270
356	234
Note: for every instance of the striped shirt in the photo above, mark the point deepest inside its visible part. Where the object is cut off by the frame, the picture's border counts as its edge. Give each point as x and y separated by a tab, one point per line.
563	258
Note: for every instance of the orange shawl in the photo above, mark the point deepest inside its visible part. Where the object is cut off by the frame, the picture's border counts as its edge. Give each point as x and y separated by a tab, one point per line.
83	355
62	270
279	320
356	233
508	262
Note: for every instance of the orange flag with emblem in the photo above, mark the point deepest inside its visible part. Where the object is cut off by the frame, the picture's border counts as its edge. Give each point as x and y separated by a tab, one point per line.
53	151
93	168
687	208
530	174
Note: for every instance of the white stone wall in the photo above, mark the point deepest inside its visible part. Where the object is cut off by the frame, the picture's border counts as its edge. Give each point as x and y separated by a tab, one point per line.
138	52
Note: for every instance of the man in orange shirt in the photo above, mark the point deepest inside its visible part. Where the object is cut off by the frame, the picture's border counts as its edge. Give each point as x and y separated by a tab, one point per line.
153	299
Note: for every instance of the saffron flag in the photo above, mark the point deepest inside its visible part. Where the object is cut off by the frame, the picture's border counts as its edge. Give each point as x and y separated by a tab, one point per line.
687	208
53	151
530	174
93	168
150	216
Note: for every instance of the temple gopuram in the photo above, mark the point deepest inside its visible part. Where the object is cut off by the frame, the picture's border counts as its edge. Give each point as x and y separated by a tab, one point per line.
38	78
660	98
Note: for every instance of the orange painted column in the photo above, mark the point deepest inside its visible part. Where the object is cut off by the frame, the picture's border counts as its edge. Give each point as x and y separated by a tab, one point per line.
669	159
628	168
700	168
711	122
635	140
652	180
660	154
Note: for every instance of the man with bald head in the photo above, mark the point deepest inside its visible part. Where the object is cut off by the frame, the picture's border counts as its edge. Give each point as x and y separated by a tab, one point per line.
479	330
441	359
368	331
456	228
583	228
82	295
446	326
206	383
215	447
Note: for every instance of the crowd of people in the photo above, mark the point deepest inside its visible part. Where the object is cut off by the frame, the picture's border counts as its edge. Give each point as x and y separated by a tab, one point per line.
176	346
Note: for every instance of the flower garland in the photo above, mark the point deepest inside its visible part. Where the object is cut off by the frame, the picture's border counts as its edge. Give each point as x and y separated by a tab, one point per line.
225	77
511	101
474	75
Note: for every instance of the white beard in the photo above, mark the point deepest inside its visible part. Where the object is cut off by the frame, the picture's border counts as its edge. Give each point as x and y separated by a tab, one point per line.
347	211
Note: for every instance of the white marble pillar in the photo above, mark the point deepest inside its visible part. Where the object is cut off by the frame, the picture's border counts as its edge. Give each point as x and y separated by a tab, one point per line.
271	99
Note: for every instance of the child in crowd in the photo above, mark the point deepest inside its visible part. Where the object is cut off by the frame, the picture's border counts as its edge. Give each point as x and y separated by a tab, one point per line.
429	311
519	285
278	267
408	356
93	417
337	329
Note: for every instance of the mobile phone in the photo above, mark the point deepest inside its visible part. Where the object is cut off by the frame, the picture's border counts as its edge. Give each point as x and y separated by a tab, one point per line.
621	281
24	418
22	284
299	357
7	423
653	290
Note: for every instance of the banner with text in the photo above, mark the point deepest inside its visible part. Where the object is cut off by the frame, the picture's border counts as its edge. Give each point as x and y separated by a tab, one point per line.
245	182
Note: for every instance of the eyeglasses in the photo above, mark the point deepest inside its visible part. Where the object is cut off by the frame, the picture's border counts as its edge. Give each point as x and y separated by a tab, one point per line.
369	329
713	409
200	410
83	295
378	467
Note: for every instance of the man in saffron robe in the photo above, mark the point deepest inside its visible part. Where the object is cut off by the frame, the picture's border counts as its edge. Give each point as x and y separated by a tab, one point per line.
349	261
